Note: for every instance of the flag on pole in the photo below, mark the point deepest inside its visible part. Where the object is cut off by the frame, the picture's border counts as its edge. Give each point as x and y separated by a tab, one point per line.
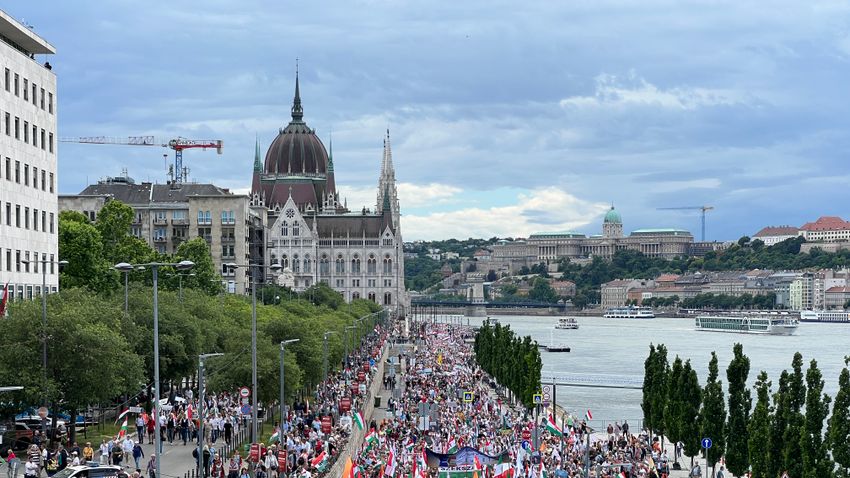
123	432
189	412
409	445
477	462
122	415
389	469
5	300
372	437
358	419
588	415
346	471
553	427
502	470
320	462
276	436
452	446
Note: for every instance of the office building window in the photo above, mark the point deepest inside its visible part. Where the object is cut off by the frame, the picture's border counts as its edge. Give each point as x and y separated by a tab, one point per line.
42	98
50	103
34	90
26	218
26	90
17	85
26	131
43	221
9	260
26	174
50	142
51	182
8	214
179	215
52	261
51	225
8	169
17	215
35	219
34	135
43	181
17	128
204	217
35	262
35	177
227	217
7	82
18	172
8	124
17	260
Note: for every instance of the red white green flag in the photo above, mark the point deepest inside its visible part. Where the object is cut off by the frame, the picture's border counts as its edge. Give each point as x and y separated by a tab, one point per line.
123	432
358	419
553	427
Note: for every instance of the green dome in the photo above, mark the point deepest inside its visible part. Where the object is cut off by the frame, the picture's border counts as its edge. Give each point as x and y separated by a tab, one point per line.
613	217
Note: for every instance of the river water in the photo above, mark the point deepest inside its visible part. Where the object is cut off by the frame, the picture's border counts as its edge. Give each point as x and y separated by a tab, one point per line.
620	346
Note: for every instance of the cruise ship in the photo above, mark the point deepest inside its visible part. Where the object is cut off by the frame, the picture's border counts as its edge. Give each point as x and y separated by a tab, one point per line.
630	312
747	325
835	316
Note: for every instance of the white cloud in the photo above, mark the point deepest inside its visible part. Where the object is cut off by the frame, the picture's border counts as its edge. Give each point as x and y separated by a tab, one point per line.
613	92
409	194
547	208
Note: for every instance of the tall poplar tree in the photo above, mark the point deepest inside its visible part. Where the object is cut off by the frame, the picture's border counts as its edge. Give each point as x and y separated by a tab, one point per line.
792	455
691	401
660	397
648	400
758	430
673	407
838	433
778	424
713	415
816	461
737	454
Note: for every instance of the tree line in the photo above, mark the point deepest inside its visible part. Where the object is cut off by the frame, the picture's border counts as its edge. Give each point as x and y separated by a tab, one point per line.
514	362
100	355
783	432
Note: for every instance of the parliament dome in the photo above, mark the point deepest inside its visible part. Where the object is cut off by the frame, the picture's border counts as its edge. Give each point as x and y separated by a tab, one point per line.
296	150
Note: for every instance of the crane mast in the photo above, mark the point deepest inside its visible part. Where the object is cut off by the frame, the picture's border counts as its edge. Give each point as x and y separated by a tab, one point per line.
702	210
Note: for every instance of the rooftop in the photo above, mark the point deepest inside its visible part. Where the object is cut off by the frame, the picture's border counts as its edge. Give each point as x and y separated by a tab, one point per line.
777	231
660	231
146	193
22	37
827	223
557	234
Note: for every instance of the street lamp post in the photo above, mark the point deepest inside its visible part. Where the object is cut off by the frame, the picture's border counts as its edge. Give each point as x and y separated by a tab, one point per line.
201	387
44	263
282	403
325	355
347	328
254	388
182	266
180	285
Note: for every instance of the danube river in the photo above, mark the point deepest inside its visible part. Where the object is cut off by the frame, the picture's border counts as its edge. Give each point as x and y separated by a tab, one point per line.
619	347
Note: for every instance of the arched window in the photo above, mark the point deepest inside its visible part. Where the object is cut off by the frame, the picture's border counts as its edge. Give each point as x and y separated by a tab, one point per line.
355	264
324	265
372	296
308	264
388	298
355	295
371	265
296	264
273	258
284	229
340	265
284	261
388	265
296	229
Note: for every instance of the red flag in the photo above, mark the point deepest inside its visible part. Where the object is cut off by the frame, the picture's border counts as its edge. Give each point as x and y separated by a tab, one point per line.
5	299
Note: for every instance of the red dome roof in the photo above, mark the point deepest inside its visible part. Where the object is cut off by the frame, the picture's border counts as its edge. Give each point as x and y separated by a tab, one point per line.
296	151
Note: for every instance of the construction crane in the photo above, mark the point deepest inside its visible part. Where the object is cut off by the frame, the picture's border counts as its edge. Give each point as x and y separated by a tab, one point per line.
702	210
178	145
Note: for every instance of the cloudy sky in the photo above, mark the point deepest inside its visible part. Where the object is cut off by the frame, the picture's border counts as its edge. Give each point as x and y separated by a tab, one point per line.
506	117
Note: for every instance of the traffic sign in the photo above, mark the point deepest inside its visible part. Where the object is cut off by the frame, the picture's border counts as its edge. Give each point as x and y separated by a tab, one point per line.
468	397
246	409
244	392
706	443
537	398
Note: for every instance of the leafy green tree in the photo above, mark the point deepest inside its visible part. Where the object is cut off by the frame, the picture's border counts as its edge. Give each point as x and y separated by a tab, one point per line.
792	455
691	402
778	425
816	460
674	407
542	291
713	415
659	392
758	430
81	245
737	456
205	276
838	432
650	373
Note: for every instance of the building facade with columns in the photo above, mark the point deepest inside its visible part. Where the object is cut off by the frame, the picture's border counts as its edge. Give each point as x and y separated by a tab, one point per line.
311	233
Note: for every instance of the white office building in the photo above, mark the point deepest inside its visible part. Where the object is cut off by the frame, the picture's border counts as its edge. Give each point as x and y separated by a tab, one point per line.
28	180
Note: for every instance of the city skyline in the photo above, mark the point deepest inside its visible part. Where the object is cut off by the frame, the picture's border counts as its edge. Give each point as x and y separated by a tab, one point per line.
503	124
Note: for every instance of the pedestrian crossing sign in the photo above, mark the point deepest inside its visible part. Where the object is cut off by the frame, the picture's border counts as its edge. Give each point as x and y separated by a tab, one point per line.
468	397
537	398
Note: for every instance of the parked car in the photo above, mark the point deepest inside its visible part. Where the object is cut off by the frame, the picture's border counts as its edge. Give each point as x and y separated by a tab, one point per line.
90	470
15	436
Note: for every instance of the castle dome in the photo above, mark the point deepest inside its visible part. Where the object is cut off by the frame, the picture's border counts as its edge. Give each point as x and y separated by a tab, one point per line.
297	151
613	217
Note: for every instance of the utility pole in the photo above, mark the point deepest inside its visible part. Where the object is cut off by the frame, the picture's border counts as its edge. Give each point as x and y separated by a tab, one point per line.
201	390
282	396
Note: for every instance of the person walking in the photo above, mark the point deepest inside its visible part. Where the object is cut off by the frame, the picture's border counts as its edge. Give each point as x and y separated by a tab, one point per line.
150	425
104	452
151	468
140	429
88	452
138	454
217	469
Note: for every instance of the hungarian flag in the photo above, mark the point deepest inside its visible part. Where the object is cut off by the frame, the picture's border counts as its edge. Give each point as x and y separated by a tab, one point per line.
275	436
553	427
123	432
371	439
503	470
477	462
5	300
452	446
358	419
122	415
543	473
389	468
320	462
588	415
189	412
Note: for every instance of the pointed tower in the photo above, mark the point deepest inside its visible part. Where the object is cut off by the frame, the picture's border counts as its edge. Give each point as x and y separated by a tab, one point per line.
331	183
258	167
387	192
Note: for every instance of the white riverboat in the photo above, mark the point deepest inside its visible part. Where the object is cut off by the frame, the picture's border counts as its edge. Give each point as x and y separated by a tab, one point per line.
567	323
630	312
766	325
833	316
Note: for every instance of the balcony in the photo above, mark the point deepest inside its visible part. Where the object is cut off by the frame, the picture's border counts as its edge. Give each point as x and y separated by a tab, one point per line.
178	239
228	221
160	239
160	221
228	239
180	221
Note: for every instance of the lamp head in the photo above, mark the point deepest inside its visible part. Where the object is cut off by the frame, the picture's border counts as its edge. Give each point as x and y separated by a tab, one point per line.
275	267
184	265
123	267
63	263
